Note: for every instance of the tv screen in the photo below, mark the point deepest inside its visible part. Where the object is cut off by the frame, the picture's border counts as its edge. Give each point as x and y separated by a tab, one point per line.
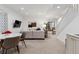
17	24
29	25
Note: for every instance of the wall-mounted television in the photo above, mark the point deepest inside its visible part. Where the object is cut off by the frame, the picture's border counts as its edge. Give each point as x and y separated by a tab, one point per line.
17	24
29	25
33	24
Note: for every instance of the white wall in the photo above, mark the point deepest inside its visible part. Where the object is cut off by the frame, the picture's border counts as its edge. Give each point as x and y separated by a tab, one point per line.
73	28
11	19
28	19
68	17
12	16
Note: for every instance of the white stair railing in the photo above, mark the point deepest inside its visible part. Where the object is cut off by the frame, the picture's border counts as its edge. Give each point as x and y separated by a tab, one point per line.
72	44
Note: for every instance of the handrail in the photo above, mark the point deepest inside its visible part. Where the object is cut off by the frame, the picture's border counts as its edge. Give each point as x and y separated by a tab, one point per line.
64	15
73	36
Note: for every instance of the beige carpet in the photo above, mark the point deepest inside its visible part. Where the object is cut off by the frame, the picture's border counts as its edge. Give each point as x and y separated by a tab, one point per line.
50	45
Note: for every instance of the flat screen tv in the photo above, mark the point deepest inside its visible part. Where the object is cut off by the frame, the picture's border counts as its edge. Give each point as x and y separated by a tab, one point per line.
29	25
33	24
17	24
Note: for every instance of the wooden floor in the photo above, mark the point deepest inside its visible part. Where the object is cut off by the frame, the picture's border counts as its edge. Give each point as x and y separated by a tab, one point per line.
50	45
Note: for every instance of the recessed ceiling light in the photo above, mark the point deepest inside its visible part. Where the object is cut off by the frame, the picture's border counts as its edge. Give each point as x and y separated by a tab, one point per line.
58	6
22	8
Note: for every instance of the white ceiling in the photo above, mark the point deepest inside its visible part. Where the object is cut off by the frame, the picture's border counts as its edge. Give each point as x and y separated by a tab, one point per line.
41	11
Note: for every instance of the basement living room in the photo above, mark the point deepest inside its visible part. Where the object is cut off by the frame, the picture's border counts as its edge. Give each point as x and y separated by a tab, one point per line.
35	28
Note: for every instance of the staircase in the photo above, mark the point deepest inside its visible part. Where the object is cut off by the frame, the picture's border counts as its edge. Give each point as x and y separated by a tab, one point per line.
67	18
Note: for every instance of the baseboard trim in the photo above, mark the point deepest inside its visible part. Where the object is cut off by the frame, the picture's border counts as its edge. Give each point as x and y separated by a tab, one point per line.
34	38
